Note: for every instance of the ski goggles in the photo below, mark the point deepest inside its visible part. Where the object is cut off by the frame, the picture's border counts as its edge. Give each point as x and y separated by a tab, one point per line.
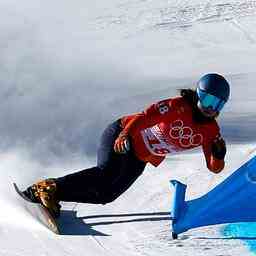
208	101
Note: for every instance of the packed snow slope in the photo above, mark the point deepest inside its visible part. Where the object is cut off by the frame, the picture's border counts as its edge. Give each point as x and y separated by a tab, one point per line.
68	68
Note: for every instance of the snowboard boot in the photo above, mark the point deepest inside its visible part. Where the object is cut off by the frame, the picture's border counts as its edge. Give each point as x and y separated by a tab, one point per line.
44	192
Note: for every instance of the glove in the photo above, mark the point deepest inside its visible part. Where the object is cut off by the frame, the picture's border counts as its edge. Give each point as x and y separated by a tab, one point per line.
219	148
122	144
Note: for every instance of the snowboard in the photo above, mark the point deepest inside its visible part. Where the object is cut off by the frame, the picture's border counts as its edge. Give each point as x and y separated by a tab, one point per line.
38	211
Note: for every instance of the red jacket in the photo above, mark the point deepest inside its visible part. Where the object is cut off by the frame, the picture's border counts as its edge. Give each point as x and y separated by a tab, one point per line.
167	127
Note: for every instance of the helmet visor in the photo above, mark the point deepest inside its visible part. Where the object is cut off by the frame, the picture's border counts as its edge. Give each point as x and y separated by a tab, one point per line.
208	101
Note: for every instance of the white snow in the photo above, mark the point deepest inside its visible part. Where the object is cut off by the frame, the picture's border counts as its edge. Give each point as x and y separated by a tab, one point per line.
69	68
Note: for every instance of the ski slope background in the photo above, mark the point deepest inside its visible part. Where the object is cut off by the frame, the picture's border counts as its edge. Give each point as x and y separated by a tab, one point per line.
70	68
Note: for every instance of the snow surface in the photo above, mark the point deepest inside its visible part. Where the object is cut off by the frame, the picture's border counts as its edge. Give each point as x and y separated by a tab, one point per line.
70	67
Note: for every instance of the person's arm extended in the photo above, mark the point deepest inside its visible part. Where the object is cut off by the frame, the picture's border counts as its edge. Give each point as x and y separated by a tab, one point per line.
215	152
151	116
122	144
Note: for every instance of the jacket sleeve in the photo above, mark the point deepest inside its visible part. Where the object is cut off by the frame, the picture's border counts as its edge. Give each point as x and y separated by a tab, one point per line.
149	117
214	164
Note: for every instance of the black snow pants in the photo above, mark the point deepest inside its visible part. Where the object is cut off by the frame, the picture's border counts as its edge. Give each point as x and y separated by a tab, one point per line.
112	176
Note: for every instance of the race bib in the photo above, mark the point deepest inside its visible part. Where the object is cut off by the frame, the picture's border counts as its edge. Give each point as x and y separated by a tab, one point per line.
175	137
156	143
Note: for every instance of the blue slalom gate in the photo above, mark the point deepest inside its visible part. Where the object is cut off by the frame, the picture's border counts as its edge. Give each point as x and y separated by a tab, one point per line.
233	200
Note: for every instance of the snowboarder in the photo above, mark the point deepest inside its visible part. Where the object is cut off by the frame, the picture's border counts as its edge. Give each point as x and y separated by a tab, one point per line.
128	144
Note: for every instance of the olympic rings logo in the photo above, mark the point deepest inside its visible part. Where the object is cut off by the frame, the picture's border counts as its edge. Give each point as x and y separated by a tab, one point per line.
185	135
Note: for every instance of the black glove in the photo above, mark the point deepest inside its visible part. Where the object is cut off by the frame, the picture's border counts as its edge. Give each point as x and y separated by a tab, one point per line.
219	148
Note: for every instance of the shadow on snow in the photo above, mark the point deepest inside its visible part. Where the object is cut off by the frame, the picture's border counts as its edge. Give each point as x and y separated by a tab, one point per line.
70	224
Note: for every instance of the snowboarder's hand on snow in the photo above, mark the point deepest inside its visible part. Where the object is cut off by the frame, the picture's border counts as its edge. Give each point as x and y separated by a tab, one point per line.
122	144
219	148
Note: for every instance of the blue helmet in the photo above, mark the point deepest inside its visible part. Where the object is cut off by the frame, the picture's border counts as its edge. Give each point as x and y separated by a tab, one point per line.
213	91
